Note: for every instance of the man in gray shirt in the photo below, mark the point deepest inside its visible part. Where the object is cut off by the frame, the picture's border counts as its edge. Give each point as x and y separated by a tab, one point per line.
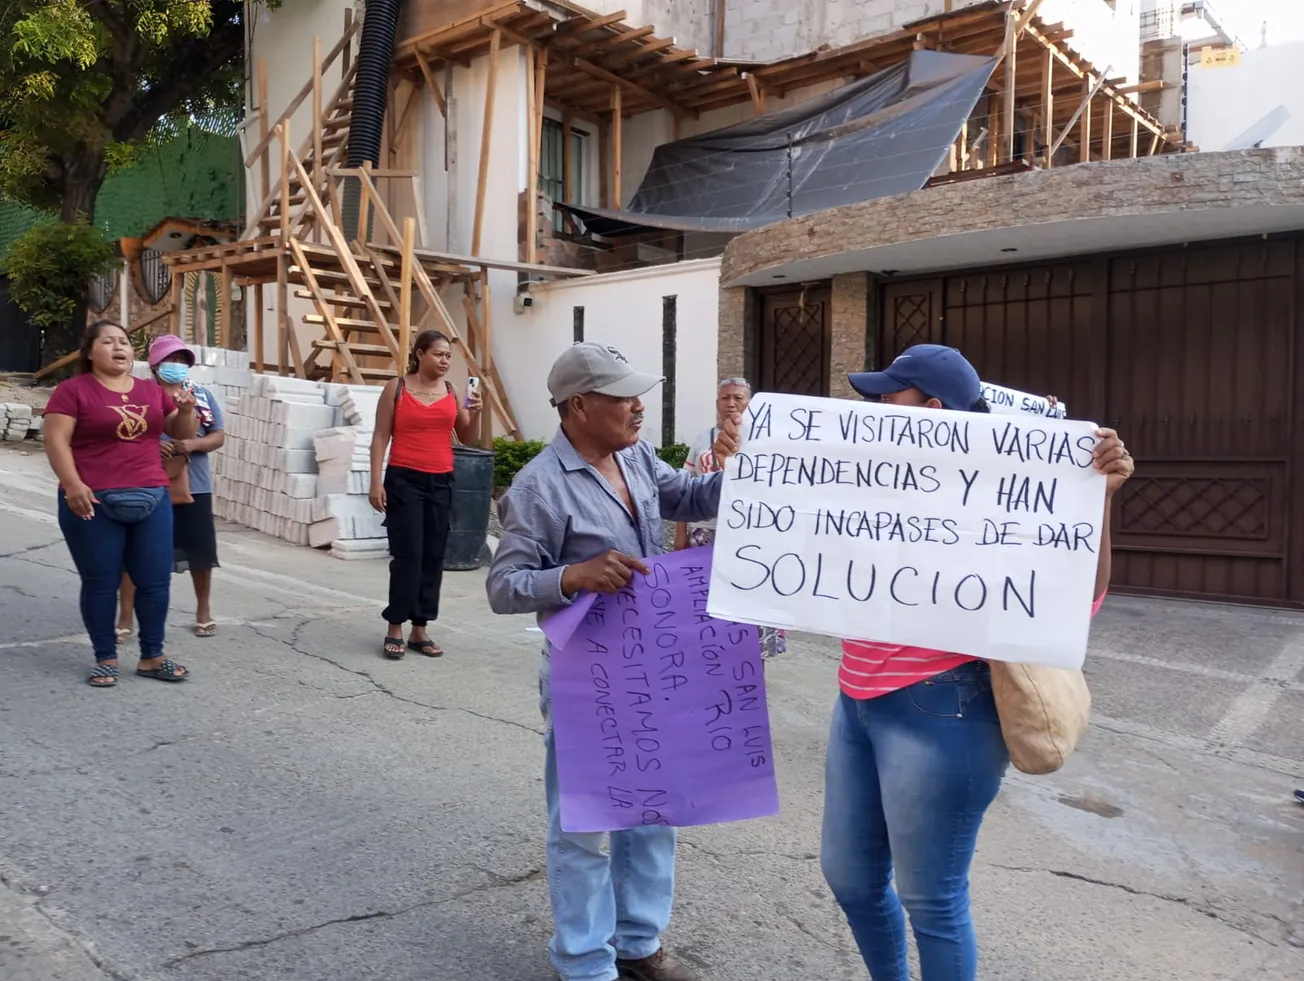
580	516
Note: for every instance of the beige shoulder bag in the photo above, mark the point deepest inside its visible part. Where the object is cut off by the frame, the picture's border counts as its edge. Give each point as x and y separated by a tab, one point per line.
1043	712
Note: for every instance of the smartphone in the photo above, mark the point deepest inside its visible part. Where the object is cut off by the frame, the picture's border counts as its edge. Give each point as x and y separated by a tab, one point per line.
472	386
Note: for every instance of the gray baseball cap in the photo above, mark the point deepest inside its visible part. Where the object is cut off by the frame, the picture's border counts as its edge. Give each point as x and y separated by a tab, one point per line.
592	367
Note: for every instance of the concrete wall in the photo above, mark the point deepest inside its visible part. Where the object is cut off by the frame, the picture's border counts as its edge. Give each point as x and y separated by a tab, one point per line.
623	309
764	30
1223	103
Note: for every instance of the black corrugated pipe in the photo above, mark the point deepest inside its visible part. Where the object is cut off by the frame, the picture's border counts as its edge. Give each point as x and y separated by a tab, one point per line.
370	92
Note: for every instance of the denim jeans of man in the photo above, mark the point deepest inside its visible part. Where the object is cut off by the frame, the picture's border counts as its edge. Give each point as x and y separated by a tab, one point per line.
102	549
603	905
908	778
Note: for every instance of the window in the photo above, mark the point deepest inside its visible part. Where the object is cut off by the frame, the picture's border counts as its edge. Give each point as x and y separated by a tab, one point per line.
552	164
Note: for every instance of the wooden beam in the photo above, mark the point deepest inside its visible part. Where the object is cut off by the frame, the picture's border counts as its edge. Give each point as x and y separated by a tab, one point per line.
616	147
536	147
757	93
405	287
284	130
264	160
347	61
623	37
1156	85
1080	111
333	330
567	160
283	326
487	355
316	124
1126	105
720	7
634	88
224	283
175	287
581	25
1084	140
432	84
364	205
258	328
1136	135
1048	106
486	142
1011	56
532	98
604	165
1107	137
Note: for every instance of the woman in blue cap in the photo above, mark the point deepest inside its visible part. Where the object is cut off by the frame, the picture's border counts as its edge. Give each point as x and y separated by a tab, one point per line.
915	748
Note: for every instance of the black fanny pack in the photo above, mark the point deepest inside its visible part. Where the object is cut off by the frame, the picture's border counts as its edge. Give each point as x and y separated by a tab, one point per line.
130	505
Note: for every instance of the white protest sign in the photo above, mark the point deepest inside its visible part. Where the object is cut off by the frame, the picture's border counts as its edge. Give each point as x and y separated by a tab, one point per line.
963	532
1010	401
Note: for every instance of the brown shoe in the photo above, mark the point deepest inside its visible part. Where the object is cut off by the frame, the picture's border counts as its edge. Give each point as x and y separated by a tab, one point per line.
659	967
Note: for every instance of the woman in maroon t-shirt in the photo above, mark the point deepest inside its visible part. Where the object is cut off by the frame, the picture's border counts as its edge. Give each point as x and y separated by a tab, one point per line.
102	430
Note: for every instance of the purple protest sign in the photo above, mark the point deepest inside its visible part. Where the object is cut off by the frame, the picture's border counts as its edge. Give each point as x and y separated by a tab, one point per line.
659	710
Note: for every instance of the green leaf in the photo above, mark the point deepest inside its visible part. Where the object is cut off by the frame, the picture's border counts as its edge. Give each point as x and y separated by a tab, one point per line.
50	265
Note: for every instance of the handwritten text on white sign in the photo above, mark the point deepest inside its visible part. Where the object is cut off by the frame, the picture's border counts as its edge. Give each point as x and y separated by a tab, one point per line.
964	532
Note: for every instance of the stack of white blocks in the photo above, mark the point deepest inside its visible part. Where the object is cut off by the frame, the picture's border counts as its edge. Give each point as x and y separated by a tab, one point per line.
267	475
17	420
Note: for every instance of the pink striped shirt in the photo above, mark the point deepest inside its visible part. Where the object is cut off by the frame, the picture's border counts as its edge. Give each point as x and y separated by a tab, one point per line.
870	669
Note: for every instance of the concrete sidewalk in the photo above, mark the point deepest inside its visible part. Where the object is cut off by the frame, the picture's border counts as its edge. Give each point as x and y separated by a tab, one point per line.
303	809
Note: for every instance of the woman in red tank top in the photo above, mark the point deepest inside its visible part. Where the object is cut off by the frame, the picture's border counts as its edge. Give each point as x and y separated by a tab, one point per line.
415	420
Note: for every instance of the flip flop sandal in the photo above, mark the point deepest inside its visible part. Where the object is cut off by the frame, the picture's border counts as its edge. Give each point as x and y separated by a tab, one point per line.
108	671
427	647
393	649
206	629
123	632
169	670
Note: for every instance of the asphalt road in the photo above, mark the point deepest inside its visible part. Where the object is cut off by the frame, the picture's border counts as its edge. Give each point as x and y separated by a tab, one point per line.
302	809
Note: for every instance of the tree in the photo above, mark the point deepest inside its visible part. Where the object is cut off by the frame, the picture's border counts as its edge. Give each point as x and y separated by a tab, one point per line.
83	83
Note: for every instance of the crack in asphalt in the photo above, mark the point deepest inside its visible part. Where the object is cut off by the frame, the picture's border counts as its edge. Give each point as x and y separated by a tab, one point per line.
500	882
748	852
18	552
1195	906
380	687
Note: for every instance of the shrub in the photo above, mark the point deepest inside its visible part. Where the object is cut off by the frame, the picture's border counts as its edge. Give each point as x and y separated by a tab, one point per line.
510	456
50	266
675	454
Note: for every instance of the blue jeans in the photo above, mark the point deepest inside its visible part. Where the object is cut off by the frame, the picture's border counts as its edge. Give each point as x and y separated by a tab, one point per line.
603	906
908	778
102	549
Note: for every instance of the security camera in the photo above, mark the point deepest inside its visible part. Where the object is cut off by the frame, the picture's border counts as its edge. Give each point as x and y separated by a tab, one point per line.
522	302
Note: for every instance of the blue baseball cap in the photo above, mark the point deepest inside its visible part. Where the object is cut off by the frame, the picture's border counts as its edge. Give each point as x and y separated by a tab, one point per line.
940	372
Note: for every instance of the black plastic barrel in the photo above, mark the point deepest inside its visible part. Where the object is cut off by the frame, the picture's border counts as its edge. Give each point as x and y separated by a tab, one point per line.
473	489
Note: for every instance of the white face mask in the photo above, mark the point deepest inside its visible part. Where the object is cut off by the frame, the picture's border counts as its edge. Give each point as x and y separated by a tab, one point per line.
173	372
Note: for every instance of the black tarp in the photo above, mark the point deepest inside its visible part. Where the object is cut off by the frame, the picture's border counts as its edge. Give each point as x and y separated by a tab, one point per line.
882	135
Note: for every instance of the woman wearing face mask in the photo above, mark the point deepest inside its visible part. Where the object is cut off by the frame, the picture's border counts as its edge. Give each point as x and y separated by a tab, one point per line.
731	400
194	536
102	429
415	420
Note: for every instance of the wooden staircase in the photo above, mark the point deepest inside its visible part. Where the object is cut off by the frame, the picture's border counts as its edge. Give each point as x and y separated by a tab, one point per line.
323	151
370	294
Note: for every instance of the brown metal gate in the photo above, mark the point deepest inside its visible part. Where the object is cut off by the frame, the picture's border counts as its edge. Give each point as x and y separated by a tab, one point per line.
1190	354
795	340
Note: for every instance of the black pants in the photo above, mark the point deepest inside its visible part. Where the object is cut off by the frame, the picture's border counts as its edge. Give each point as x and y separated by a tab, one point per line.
417	507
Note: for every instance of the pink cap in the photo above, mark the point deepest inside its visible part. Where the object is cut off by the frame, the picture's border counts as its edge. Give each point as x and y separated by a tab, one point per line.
166	345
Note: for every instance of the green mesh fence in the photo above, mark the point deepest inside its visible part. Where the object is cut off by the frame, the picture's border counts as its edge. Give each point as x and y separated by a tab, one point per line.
197	174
